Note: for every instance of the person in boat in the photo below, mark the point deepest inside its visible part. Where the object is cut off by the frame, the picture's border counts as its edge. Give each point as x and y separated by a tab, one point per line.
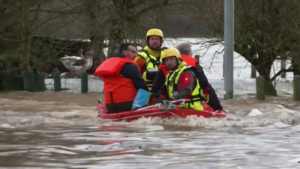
181	81
122	79
149	58
186	55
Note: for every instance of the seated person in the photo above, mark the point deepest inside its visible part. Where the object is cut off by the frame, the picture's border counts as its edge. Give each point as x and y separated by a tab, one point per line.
150	56
186	55
122	79
181	81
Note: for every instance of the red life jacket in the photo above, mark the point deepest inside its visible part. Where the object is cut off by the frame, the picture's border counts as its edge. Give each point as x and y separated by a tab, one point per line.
188	59
116	87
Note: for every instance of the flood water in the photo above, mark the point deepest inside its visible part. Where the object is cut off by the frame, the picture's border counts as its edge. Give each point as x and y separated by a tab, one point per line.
152	146
60	130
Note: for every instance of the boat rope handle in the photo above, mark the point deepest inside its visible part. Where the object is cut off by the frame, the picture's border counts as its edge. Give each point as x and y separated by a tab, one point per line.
175	115
170	105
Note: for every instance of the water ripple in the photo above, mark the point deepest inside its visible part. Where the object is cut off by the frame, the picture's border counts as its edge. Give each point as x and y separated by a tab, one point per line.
138	146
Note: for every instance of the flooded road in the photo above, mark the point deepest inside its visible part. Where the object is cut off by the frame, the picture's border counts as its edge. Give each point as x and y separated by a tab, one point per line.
60	130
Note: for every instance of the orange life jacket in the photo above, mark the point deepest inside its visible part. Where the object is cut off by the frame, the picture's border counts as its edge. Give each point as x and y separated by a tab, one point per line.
188	59
116	87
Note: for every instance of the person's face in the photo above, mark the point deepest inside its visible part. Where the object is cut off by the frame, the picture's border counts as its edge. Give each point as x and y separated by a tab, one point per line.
130	52
154	43
170	62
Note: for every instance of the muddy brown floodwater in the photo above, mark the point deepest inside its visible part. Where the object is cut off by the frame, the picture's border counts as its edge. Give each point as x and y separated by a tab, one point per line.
60	130
47	101
64	101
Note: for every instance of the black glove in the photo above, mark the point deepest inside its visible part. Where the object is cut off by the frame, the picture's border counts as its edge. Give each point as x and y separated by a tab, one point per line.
155	95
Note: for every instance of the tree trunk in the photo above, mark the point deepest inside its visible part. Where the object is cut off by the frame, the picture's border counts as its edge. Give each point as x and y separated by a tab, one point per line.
25	37
8	14
264	70
296	65
115	37
270	89
283	66
253	71
96	36
97	43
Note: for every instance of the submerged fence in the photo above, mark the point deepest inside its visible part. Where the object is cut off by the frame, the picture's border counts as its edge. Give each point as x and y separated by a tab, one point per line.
82	84
13	80
262	86
36	82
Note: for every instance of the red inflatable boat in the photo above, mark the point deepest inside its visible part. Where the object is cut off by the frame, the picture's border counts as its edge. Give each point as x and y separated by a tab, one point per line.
157	110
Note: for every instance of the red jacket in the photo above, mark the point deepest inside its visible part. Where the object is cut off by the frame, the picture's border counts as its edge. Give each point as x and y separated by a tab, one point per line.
116	87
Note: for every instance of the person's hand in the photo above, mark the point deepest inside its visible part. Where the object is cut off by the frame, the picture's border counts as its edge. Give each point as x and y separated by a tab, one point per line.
206	90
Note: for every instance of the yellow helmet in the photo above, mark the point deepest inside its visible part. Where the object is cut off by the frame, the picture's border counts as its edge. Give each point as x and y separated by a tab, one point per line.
170	52
155	32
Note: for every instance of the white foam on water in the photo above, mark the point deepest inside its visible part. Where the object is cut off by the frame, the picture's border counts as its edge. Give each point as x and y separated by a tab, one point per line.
254	112
254	115
280	116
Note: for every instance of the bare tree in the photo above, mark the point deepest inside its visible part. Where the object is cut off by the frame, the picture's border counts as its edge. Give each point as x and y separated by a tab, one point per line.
96	20
130	19
98	17
264	32
28	17
266	28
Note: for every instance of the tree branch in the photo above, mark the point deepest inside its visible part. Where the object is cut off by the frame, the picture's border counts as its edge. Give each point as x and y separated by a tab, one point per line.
165	2
54	11
282	71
